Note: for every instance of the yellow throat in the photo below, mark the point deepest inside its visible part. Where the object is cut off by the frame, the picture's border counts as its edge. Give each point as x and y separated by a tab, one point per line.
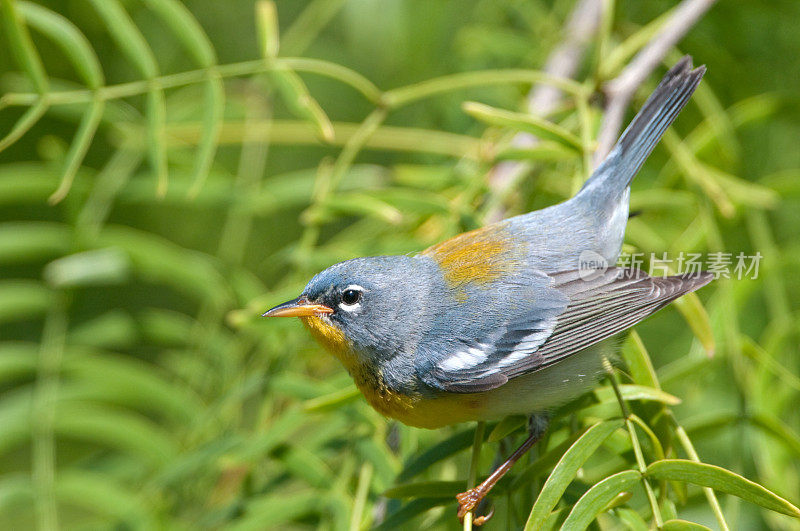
369	380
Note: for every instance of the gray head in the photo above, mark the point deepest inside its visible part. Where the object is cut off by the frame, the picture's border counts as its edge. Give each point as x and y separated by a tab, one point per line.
376	302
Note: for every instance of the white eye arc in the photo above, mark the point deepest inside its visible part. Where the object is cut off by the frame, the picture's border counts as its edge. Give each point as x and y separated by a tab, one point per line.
351	297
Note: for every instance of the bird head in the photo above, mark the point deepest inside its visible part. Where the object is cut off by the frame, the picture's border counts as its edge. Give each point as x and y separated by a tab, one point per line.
374	305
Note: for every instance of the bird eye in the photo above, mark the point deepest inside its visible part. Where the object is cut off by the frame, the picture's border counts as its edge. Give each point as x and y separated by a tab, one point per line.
351	296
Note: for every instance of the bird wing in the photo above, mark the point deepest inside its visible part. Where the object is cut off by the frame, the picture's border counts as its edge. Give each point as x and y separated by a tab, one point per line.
565	315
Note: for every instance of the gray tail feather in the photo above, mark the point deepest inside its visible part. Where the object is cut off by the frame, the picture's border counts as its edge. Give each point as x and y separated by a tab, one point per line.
646	129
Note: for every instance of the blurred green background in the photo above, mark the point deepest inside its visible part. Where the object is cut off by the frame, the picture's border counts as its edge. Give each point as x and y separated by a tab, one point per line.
140	390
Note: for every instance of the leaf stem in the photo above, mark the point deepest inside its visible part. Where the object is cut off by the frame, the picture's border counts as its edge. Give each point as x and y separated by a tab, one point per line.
637	448
472	478
688	447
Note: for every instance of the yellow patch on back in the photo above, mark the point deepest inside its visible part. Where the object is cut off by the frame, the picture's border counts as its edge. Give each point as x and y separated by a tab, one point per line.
479	256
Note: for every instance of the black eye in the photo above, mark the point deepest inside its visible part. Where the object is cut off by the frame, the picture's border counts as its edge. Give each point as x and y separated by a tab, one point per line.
351	296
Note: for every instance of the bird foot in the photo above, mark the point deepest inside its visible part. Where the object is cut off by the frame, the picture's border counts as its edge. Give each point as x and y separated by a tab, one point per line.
467	501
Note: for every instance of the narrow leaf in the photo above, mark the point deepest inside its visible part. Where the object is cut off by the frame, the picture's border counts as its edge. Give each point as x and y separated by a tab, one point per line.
438	452
22	299
267	20
426	489
722	480
637	392
523	122
506	427
135	48
186	28
26	241
297	97
332	400
214	111
407	512
22	47
564	472
25	122
638	361
89	268
80	144
68	37
683	525
598	497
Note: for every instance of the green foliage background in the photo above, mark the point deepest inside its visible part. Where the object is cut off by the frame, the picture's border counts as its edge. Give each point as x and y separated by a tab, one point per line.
140	390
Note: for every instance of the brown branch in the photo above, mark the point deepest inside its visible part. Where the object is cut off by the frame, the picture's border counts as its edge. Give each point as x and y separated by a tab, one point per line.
583	24
621	89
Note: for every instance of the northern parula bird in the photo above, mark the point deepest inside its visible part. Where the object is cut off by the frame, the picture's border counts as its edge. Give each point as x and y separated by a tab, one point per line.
500	320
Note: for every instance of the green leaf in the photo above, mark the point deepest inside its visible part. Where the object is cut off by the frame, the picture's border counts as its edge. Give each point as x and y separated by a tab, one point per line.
17	361
638	361
78	148
598	497
104	496
632	519
267	24
450	83
438	452
357	204
191	35
134	46
22	241
69	38
683	525
16	493
123	431
156	259
695	315
306	465
528	474
26	183
213	117
296	96
408	200
25	122
332	400
507	426
100	267
22	47
186	28
549	151
637	392
565	470
523	122
781	431
380	456
277	509
721	480
408	511
22	299
136	384
426	489
113	329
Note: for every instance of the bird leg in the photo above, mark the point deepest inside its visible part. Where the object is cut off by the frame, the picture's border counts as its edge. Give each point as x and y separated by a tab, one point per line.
467	501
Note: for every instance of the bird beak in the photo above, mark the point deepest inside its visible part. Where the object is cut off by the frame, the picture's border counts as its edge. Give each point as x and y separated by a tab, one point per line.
299	307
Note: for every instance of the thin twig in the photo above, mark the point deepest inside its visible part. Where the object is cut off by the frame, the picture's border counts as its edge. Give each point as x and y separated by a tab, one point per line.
621	89
543	99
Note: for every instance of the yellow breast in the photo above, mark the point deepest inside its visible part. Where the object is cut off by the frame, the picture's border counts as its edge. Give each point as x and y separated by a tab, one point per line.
368	379
413	410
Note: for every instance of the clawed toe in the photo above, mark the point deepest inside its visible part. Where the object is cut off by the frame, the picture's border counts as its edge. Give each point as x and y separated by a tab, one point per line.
467	501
